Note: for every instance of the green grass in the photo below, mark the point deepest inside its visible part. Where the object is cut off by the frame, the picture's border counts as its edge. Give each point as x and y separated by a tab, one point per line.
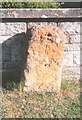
65	104
30	5
11	85
70	85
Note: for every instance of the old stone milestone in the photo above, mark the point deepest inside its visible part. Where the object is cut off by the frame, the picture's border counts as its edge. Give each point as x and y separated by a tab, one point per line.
45	59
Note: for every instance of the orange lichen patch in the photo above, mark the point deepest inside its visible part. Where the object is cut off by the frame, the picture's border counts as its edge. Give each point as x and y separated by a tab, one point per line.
45	58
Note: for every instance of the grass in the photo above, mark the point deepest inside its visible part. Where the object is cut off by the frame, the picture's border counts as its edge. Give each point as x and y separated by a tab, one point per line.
65	104
31	4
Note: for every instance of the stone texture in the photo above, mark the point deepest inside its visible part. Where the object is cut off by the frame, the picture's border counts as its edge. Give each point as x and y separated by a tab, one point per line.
31	24
44	62
81	28
76	58
9	29
68	59
81	72
81	38
72	77
70	28
40	13
71	70
73	39
81	56
72	47
13	48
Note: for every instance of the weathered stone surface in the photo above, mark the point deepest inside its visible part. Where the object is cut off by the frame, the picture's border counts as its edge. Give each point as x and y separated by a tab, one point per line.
71	70
76	58
72	77
44	62
81	38
70	28
81	28
71	39
72	47
81	72
10	29
14	50
13	53
31	24
74	39
72	58
68	59
81	56
40	13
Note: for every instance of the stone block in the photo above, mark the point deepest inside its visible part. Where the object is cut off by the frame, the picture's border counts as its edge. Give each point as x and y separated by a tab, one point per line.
71	70
41	13
68	59
81	72
80	28
80	38
44	62
72	47
31	24
9	29
76	58
71	77
71	39
74	39
81	56
70	27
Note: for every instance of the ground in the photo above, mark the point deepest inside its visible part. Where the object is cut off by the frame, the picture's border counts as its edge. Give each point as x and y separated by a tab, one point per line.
65	104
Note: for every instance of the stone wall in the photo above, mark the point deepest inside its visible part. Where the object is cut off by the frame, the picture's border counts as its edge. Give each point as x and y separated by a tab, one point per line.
13	39
72	50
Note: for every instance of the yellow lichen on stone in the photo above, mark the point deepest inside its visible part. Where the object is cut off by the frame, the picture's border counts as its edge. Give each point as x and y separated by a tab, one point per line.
45	58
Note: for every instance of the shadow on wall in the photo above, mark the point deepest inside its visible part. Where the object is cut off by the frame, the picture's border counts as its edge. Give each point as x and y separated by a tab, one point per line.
14	57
